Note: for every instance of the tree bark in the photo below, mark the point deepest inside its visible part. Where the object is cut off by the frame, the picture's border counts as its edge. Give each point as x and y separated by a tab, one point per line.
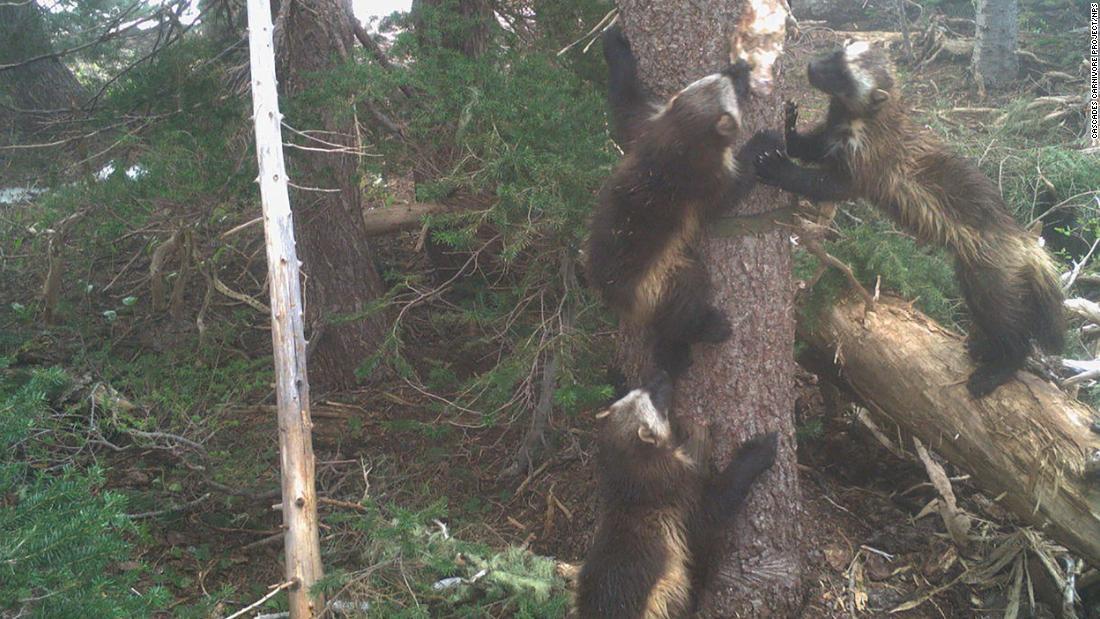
742	387
39	86
341	282
994	63
1026	443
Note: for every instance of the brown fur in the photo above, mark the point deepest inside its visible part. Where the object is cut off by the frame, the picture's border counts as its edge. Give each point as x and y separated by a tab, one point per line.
869	147
661	510
679	169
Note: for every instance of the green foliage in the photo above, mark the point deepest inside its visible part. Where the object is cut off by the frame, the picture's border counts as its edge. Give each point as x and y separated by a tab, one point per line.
185	169
411	566
1043	24
875	249
516	137
64	544
180	384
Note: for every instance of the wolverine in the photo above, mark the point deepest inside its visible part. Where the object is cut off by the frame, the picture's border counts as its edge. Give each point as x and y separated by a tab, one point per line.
662	511
869	147
679	170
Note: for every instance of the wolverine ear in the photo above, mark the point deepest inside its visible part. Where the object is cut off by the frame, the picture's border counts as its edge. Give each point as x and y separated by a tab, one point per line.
646	435
879	96
604	413
726	125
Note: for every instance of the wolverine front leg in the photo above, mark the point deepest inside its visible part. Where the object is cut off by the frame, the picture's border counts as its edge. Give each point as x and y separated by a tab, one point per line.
820	184
726	492
743	178
812	146
723	497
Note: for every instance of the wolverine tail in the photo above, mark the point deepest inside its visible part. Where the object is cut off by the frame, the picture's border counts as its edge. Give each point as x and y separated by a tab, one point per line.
1048	318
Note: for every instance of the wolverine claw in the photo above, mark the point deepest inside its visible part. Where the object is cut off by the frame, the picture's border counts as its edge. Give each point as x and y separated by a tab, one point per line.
769	165
790	114
717	329
760	143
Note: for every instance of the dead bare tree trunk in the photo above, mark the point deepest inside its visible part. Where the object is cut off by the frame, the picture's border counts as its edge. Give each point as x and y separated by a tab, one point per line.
742	387
302	541
994	63
1027	443
341	281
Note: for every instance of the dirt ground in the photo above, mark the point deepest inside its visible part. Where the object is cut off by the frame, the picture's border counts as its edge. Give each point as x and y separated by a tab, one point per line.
866	554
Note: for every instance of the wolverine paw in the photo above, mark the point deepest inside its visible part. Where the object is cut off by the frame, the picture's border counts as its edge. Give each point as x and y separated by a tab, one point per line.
772	166
758	453
673	357
980	349
760	143
715	328
790	119
986	378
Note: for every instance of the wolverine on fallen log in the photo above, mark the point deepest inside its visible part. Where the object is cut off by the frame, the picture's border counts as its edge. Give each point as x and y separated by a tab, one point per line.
869	147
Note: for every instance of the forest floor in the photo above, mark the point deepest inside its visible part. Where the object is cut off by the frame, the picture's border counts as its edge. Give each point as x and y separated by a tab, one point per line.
867	551
871	547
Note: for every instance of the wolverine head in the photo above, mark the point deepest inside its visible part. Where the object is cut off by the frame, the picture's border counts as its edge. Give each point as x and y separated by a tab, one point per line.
709	109
858	75
639	420
644	455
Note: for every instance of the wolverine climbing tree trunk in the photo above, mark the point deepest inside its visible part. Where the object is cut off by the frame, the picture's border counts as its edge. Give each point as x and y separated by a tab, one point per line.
341	282
742	387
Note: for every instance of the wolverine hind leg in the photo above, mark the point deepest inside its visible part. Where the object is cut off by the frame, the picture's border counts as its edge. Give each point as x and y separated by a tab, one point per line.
686	317
677	331
999	339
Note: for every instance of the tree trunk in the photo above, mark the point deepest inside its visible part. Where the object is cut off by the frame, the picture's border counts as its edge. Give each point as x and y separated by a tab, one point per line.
38	86
341	282
1026	443
460	25
742	387
994	63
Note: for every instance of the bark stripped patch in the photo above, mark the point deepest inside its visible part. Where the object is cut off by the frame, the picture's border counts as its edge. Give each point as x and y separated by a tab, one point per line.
759	38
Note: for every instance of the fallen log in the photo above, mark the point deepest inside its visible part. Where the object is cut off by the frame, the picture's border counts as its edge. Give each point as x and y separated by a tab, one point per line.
1026	444
387	219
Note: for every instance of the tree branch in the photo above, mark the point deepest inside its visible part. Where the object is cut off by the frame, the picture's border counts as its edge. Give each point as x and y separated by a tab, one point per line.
373	48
